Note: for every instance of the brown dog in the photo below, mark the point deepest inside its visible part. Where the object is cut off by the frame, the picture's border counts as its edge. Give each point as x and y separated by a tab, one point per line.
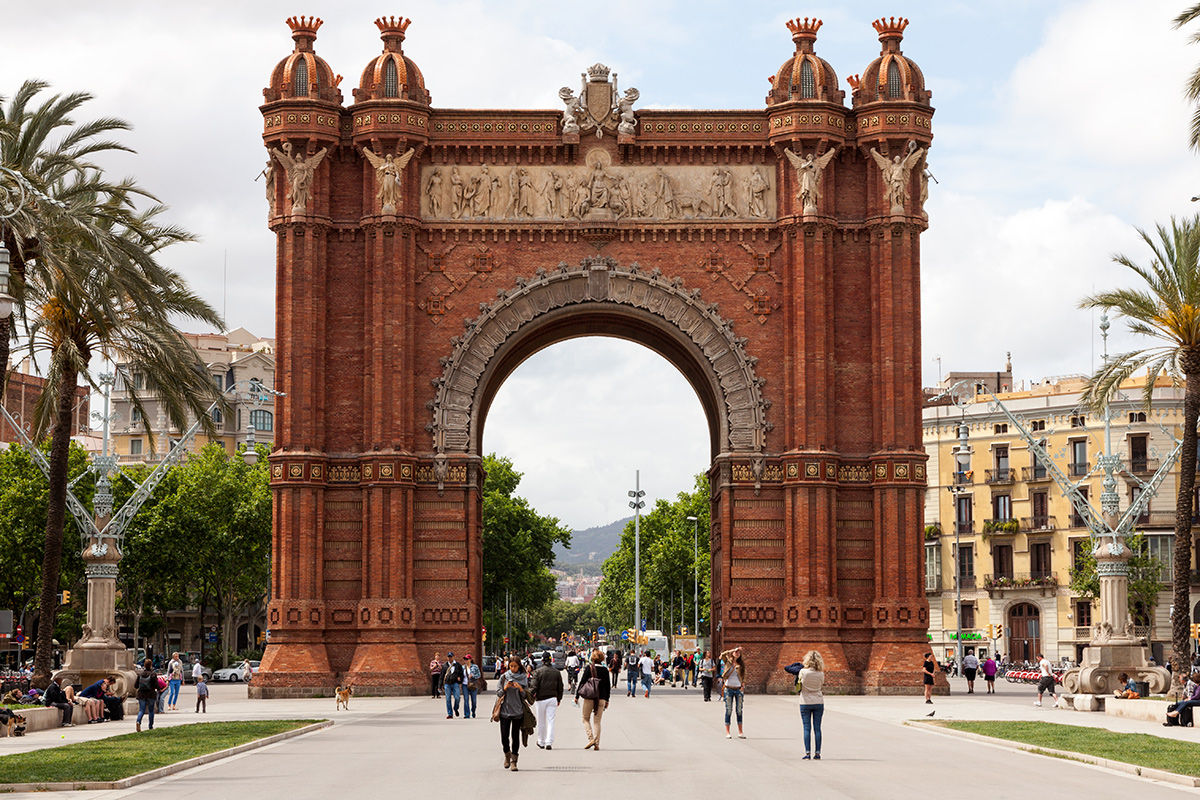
14	723
343	697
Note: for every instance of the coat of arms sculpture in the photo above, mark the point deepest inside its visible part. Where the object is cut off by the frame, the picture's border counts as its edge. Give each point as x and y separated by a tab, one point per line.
598	106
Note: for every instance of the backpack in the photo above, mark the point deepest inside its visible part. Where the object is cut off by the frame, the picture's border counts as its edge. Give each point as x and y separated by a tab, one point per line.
147	682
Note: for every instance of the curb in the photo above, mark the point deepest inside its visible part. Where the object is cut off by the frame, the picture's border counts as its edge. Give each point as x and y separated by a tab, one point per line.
162	772
1083	758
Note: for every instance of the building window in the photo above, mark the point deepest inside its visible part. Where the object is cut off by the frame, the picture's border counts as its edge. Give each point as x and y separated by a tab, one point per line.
262	420
895	87
968	616
135	447
1039	468
216	416
1076	519
933	567
966	564
1138	462
300	81
962	519
1080	549
1039	559
139	380
1040	506
391	82
1162	549
808	82
1002	507
1078	421
1037	425
1002	560
135	416
999	428
1137	416
1001	456
1079	462
1134	493
1083	613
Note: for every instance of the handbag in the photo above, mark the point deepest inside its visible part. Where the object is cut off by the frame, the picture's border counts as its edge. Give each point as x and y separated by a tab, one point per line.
481	683
496	708
590	690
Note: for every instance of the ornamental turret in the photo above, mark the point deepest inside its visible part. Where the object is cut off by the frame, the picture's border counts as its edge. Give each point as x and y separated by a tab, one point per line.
391	75
804	76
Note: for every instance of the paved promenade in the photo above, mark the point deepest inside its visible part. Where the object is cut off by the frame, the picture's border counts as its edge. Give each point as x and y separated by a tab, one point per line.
672	744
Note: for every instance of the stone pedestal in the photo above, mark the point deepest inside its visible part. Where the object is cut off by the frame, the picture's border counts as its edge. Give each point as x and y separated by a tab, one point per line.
99	652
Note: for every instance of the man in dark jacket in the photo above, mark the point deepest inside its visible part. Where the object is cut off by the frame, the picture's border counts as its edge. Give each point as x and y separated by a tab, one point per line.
547	689
147	693
58	698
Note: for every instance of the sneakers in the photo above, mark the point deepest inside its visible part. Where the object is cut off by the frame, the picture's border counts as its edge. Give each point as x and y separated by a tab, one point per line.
647	695
1037	702
743	736
728	735
549	747
817	757
807	757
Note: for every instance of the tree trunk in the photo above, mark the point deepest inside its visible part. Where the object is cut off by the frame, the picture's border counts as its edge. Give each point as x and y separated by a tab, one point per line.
60	444
1181	644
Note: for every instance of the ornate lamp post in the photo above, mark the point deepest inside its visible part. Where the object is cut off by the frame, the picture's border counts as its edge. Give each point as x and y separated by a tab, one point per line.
695	575
637	504
959	489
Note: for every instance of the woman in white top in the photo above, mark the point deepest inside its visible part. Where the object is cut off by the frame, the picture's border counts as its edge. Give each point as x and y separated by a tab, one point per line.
733	679
812	702
707	666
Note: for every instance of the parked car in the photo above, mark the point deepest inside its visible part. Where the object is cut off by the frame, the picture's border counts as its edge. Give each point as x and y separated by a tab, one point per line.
188	664
489	665
236	673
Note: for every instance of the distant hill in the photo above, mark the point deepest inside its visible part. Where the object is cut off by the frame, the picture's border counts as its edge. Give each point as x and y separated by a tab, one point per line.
599	542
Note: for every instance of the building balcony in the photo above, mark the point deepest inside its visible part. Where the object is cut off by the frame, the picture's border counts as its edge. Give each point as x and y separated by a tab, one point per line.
932	531
1083	633
1142	466
965	526
1001	527
966	478
1038	524
1043	582
1035	474
996	477
965	582
1078	469
933	583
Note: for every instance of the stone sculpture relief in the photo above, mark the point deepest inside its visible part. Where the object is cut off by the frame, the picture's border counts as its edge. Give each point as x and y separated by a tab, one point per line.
597	190
896	175
808	177
598	106
300	171
270	173
387	177
600	280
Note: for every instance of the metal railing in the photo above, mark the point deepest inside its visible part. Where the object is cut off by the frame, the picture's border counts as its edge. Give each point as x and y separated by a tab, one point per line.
998	476
964	526
1079	469
966	581
1019	580
1083	633
1033	474
1143	466
1043	522
964	478
999	527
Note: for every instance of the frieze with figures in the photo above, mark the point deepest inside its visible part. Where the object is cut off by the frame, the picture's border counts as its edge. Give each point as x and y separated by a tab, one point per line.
743	192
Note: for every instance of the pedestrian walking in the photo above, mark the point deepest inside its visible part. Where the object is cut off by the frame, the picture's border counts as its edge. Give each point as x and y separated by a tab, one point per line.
435	676
812	702
733	681
707	667
147	692
197	669
677	666
633	671
510	710
174	681
970	670
1046	682
471	687
201	695
452	681
989	674
647	665
595	687
573	664
927	670
546	686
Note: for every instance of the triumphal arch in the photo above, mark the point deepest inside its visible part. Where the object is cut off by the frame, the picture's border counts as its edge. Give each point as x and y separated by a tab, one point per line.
771	254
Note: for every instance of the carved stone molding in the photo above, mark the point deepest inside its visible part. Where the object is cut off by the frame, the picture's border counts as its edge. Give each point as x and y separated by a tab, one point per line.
743	424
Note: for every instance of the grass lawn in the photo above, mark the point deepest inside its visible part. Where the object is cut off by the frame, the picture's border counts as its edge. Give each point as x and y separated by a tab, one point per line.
1144	750
121	756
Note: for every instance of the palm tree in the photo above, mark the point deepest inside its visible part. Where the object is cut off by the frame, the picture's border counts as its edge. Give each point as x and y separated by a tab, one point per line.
1193	86
102	309
51	154
1166	309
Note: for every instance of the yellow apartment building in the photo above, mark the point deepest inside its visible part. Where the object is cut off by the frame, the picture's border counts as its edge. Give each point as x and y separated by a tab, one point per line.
1017	534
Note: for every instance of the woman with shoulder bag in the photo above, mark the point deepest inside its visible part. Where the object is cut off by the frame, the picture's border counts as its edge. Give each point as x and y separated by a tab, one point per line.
510	710
595	686
733	680
471	689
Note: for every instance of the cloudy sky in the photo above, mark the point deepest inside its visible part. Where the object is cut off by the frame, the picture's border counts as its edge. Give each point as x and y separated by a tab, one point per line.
1059	127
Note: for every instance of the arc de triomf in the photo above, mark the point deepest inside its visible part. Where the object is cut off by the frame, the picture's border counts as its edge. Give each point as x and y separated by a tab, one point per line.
771	255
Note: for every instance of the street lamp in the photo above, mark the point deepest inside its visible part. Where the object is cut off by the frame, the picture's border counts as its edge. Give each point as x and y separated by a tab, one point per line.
958	488
250	453
6	300
695	575
637	504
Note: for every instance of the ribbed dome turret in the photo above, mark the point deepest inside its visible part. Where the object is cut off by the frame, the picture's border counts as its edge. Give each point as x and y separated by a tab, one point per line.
892	76
805	76
392	75
303	74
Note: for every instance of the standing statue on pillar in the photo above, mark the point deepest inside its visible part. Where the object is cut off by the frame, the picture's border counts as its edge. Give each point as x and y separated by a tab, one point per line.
808	175
895	176
300	171
387	177
270	172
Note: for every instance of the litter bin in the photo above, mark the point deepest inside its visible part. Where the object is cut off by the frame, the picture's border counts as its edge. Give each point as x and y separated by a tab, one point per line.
1143	688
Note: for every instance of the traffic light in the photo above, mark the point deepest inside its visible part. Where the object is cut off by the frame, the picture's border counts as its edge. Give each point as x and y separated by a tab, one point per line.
991	631
66	598
1195	631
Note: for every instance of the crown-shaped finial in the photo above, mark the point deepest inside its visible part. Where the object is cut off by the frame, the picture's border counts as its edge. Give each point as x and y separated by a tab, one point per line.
597	72
306	26
804	28
890	27
393	25
854	81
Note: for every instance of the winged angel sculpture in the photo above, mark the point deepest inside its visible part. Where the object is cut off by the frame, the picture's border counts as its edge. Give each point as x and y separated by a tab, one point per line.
300	171
895	176
808	175
387	177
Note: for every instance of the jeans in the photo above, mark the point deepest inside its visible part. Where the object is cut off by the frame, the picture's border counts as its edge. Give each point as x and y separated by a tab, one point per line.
146	705
646	681
469	695
631	678
435	685
202	702
160	701
453	690
510	734
732	697
811	715
173	691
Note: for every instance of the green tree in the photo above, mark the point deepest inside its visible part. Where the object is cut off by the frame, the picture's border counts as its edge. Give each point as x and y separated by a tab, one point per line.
668	559
518	549
1193	85
1144	574
1166	309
